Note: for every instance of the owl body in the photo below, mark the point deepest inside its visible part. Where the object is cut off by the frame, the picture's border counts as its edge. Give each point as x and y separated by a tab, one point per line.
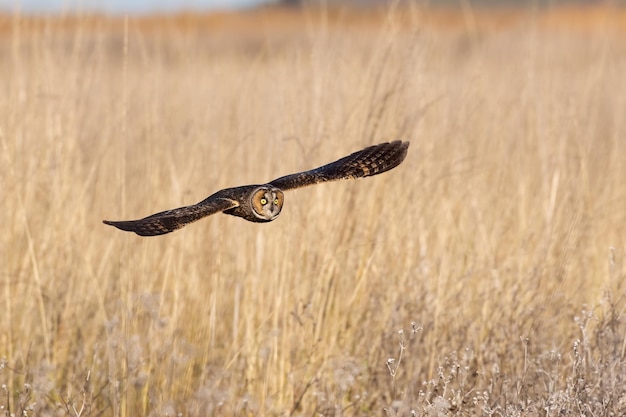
262	203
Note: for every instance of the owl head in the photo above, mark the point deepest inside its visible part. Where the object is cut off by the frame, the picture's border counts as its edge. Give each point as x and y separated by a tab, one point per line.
266	202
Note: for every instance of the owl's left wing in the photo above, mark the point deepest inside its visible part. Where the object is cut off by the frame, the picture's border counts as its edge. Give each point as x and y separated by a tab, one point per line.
170	220
370	161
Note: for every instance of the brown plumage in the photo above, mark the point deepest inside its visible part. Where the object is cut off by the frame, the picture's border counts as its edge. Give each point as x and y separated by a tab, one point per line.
263	203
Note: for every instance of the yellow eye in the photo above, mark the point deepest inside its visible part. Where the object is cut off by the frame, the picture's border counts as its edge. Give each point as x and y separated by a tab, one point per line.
276	201
263	201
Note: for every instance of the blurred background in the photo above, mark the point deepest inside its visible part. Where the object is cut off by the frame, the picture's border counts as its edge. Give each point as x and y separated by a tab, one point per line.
486	275
163	6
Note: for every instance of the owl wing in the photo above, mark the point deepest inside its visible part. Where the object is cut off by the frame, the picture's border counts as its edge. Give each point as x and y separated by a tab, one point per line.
370	161
170	220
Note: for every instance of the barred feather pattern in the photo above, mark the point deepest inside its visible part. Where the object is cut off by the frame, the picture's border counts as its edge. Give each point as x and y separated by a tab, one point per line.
263	203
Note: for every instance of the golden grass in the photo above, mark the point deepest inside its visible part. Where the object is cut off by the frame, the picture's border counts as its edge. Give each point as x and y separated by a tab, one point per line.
497	247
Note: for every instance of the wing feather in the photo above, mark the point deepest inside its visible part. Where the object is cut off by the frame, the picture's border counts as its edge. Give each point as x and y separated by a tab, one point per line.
367	162
170	220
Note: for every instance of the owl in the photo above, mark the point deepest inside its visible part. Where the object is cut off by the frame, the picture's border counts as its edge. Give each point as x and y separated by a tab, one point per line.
263	203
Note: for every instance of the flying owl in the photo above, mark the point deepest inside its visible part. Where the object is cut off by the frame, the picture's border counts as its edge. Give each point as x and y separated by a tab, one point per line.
263	203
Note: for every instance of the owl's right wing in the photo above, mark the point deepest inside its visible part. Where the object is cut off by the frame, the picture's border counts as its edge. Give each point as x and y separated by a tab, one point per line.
372	160
170	220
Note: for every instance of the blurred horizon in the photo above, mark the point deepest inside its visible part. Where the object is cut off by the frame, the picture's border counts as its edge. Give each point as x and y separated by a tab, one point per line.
121	6
194	6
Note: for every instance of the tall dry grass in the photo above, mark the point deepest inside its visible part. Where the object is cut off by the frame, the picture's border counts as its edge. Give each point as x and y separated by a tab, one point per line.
484	276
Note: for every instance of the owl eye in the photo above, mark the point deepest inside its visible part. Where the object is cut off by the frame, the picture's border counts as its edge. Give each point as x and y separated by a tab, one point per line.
263	201
276	201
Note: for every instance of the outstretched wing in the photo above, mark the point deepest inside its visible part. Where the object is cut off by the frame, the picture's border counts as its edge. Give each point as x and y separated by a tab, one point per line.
170	220
364	163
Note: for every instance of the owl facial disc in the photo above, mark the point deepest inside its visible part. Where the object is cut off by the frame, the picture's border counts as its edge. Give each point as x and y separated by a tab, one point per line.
267	202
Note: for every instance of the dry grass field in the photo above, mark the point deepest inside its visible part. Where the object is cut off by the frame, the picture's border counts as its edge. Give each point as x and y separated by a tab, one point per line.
484	276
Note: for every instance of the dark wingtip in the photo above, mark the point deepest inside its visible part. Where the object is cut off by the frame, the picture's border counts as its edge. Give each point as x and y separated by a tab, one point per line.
405	149
403	146
118	225
400	149
400	144
125	226
136	227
